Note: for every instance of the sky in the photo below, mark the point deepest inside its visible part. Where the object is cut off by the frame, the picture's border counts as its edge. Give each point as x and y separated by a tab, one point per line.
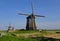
48	8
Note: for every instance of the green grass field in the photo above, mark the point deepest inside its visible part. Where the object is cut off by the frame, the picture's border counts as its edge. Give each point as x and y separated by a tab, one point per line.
23	35
11	36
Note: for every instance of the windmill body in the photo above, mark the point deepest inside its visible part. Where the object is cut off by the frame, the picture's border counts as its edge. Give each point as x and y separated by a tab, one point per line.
31	25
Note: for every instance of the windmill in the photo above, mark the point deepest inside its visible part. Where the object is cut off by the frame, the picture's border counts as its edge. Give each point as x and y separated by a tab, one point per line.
31	25
10	28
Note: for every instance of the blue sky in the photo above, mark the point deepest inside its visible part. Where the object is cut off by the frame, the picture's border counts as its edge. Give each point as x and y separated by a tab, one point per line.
48	8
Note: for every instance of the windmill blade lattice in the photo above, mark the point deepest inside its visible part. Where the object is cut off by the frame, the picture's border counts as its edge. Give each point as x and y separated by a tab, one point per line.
39	16
23	14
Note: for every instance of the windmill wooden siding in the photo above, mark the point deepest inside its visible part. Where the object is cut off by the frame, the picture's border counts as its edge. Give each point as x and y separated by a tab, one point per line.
31	23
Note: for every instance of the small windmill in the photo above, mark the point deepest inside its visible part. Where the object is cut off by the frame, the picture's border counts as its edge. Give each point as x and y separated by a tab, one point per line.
10	28
31	25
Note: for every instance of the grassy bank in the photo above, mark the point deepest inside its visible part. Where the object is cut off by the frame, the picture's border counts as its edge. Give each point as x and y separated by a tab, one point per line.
24	35
13	38
19	36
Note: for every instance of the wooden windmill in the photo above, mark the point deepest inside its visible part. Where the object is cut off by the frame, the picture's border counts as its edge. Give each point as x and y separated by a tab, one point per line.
31	25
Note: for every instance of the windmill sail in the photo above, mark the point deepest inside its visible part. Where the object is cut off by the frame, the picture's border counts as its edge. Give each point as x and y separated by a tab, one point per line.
39	16
23	14
32	7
